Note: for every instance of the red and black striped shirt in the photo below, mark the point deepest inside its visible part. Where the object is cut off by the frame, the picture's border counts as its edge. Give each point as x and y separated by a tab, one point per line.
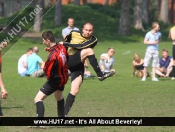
56	68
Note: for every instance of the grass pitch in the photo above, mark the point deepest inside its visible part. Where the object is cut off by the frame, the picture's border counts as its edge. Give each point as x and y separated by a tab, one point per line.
118	96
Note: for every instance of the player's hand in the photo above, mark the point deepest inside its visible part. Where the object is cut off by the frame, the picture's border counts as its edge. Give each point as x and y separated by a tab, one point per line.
61	42
4	94
46	49
4	44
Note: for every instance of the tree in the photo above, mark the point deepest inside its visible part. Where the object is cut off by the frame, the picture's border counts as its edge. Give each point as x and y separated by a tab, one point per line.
47	3
138	15
145	11
124	25
58	15
106	2
90	1
77	2
84	1
164	11
39	10
171	12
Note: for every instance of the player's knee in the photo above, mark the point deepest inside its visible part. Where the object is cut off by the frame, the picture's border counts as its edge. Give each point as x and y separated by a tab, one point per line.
75	91
36	99
89	51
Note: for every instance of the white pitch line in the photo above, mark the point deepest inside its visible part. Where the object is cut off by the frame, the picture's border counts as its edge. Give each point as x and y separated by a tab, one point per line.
127	52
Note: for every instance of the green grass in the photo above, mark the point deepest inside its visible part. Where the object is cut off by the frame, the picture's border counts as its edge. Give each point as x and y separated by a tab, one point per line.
118	96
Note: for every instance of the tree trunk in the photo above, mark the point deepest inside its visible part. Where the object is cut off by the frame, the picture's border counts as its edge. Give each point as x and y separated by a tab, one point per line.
107	2
145	11
164	11
172	12
84	1
47	3
90	1
124	25
138	15
38	15
77	2
58	14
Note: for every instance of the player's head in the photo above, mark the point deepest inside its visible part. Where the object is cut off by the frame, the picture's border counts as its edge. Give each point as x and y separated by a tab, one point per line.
164	53
48	38
35	50
29	51
70	22
111	51
87	30
155	26
137	57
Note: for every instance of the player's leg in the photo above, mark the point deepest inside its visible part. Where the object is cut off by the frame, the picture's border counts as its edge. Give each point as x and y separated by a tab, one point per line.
39	103
60	102
75	86
47	89
89	53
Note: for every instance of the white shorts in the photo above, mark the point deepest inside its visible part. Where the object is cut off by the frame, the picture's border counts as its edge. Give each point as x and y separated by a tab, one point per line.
154	54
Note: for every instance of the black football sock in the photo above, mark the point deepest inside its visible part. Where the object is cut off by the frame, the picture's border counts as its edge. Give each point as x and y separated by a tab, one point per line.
94	64
40	109
60	108
1	111
69	102
173	71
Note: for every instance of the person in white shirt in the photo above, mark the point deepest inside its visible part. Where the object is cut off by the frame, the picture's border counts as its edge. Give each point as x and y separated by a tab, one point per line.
107	61
22	65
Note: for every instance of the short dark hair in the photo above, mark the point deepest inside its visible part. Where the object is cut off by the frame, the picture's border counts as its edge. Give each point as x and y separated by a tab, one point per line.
29	49
48	35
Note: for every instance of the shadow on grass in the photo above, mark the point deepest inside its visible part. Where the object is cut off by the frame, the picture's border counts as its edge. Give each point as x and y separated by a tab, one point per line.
12	107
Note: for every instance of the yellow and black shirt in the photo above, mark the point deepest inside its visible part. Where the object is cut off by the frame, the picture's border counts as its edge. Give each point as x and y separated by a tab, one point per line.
75	41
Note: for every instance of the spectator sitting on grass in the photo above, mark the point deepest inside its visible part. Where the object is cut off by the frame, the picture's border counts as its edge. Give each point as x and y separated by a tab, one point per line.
33	64
137	66
166	63
22	63
107	61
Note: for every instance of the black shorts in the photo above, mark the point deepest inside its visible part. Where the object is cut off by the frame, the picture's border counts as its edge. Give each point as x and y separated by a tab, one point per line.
173	52
50	87
75	65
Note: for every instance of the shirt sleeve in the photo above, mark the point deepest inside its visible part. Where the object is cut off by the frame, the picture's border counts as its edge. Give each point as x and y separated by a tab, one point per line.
64	32
87	44
39	59
167	62
147	36
103	55
48	66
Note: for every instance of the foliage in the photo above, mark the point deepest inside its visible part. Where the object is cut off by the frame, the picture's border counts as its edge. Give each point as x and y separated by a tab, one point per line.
104	18
23	16
107	10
